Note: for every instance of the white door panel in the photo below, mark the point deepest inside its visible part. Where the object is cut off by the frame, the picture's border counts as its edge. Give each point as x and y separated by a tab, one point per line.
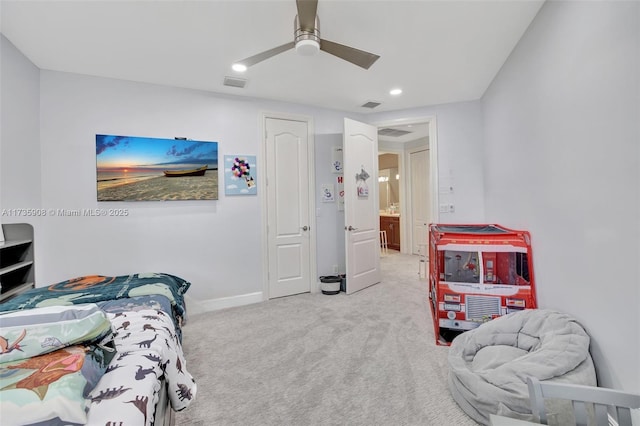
289	149
365	251
288	207
420	197
290	258
362	223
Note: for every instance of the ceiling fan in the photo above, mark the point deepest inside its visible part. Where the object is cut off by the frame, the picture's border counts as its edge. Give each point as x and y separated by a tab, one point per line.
307	41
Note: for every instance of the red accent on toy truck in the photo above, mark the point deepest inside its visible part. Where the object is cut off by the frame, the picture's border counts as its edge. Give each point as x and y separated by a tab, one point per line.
477	273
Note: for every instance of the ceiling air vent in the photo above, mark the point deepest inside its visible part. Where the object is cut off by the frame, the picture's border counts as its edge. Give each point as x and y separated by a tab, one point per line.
235	82
395	133
371	104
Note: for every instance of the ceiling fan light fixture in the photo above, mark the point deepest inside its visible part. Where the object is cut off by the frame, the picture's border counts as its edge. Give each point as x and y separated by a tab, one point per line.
307	47
238	67
307	40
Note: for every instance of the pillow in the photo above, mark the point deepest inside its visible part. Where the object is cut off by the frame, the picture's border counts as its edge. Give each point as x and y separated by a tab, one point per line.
52	387
180	284
33	332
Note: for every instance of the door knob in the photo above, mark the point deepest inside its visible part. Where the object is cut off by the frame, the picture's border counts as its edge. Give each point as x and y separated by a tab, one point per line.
305	228
351	228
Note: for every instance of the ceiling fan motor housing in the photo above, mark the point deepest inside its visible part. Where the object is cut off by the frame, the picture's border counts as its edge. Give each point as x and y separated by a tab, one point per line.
307	40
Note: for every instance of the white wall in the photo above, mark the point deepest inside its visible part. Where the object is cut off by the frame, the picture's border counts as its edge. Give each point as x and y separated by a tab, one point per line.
562	160
19	133
330	240
214	244
190	239
460	156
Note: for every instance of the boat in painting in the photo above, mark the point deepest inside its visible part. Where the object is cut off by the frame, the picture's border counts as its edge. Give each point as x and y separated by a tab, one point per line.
200	171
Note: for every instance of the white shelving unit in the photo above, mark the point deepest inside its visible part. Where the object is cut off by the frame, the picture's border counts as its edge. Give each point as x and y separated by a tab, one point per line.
16	260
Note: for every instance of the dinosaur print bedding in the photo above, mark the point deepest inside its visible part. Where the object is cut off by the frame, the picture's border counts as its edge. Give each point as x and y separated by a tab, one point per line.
26	334
50	360
62	365
99	288
148	349
138	303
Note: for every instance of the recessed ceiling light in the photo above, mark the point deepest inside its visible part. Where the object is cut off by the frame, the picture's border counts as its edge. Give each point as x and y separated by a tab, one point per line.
395	92
239	67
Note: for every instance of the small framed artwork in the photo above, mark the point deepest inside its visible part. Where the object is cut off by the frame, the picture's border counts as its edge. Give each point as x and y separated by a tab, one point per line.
240	176
328	195
340	192
361	184
336	159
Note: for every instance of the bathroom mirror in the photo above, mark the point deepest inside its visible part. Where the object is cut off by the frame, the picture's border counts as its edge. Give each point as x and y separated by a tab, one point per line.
389	183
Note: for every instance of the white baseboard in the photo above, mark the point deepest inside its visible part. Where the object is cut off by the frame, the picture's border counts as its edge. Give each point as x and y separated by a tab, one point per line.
199	306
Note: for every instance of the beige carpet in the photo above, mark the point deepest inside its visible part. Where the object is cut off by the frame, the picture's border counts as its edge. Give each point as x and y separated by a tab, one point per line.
365	359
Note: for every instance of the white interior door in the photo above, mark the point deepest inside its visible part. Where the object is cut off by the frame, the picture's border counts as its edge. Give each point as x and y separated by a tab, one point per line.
288	212
362	225
420	197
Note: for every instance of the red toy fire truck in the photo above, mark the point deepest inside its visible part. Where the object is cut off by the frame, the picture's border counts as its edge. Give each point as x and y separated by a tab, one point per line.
477	273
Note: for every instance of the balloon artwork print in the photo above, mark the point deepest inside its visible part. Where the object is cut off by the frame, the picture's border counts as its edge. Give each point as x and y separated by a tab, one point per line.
240	169
239	175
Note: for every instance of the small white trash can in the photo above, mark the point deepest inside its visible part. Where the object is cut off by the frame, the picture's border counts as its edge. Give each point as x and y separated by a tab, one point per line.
330	284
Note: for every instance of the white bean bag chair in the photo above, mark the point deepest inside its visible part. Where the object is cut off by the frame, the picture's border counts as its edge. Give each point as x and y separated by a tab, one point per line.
489	366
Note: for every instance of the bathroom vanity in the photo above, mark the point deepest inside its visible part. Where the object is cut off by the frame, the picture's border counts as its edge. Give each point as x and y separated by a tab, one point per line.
391	223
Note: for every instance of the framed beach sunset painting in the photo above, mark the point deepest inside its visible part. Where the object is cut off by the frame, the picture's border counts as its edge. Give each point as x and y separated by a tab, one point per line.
131	168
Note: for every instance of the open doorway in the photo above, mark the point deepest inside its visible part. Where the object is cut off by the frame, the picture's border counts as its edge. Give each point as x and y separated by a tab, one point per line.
389	199
414	143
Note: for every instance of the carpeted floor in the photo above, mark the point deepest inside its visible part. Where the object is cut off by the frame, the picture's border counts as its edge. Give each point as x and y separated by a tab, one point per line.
369	358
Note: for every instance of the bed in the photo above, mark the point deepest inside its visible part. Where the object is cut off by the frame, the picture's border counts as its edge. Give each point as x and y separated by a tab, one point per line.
95	350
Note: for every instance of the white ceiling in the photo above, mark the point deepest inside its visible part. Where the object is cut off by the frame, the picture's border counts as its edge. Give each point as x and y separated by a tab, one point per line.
436	51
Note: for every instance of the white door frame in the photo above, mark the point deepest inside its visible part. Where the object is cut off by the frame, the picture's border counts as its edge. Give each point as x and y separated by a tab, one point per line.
262	177
406	239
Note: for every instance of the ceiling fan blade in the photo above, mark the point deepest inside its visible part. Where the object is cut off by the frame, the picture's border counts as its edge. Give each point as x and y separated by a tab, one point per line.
252	60
355	56
307	14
